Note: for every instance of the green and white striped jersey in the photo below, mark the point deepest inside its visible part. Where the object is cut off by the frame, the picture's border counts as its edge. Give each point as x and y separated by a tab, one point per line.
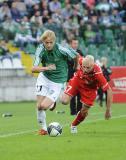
58	56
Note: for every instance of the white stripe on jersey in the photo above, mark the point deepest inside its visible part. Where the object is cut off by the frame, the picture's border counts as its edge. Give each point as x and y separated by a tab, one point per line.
67	51
39	49
98	72
105	85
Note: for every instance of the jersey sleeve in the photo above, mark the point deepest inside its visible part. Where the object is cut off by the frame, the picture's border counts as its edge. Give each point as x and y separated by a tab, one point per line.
102	81
100	78
80	60
38	57
68	52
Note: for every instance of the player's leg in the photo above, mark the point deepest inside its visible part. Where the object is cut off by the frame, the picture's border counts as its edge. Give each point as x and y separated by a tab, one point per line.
70	91
81	115
73	106
41	92
65	99
79	104
87	99
46	103
52	107
41	116
43	103
50	94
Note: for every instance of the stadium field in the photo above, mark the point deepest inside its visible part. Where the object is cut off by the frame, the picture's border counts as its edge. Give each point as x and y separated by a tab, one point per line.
97	139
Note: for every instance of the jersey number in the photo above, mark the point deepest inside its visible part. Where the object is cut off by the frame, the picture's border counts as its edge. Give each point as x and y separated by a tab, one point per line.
68	88
39	88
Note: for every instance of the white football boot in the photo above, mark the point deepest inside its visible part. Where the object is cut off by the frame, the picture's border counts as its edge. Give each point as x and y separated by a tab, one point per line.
73	129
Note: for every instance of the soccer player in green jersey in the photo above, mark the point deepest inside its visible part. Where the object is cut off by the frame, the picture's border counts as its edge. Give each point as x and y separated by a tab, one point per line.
52	73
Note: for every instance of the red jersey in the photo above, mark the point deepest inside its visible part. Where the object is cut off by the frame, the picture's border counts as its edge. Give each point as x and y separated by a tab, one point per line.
92	80
86	84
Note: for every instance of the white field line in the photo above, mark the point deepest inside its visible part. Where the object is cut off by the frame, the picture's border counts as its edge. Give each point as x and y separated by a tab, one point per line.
100	119
96	113
17	133
31	131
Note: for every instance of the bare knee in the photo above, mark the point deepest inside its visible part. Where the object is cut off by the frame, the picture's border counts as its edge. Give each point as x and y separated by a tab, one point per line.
65	99
84	110
39	106
65	102
42	106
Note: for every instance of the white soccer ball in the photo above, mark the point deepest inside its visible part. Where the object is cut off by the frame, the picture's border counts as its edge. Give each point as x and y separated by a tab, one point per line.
54	129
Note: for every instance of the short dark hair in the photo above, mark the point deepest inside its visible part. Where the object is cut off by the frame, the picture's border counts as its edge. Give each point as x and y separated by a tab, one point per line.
73	39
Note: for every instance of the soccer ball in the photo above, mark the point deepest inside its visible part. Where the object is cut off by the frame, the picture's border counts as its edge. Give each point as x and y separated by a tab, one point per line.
54	129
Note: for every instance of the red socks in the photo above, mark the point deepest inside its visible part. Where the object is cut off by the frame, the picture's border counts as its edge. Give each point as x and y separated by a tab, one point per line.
79	118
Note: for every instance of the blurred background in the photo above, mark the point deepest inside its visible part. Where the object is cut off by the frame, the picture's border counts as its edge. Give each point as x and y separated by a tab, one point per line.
99	26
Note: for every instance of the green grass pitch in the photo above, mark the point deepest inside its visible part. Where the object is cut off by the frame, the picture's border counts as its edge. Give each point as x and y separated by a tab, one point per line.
97	139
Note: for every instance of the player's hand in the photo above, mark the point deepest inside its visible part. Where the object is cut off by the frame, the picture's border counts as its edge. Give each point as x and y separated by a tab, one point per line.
51	67
107	114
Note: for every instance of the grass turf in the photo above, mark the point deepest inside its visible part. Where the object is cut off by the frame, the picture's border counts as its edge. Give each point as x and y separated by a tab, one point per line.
96	139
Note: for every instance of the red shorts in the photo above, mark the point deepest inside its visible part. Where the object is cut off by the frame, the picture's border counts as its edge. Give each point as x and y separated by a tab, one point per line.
75	86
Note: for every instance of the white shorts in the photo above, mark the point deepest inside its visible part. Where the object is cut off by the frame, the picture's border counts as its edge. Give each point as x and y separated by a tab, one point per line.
48	88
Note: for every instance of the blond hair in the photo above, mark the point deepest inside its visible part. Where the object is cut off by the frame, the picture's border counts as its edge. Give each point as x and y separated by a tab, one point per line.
104	59
46	34
88	59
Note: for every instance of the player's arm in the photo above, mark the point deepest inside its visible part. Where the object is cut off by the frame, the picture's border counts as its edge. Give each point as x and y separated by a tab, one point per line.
76	62
109	103
105	87
37	69
70	54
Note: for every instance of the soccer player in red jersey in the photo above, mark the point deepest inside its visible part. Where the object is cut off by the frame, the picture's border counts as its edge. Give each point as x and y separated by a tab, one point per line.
86	81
